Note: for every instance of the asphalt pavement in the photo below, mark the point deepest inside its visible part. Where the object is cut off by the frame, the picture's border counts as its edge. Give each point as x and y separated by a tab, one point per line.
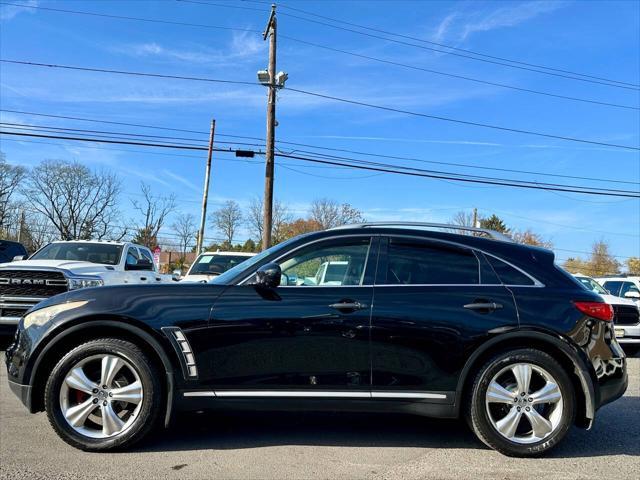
322	446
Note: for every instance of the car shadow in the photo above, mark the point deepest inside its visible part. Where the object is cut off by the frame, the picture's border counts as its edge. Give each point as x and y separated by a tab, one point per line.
616	432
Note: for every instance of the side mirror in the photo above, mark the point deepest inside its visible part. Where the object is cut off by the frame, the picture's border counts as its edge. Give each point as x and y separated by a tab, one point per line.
632	294
141	264
17	258
268	275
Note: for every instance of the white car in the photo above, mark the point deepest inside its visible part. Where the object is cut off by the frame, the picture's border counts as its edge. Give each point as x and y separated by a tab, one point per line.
62	266
209	265
622	286
627	312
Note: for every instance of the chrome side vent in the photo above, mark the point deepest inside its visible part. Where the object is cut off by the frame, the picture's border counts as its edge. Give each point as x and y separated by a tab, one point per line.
184	351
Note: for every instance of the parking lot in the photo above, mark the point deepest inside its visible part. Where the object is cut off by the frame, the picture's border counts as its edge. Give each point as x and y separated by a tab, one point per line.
288	446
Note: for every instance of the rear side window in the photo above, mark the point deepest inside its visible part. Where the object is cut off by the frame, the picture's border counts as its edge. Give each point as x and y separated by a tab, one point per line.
414	262
508	274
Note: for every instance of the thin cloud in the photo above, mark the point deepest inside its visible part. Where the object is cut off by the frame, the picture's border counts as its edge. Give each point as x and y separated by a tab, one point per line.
8	12
460	25
180	179
244	46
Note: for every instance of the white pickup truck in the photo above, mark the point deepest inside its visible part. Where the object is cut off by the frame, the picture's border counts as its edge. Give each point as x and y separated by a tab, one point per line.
62	266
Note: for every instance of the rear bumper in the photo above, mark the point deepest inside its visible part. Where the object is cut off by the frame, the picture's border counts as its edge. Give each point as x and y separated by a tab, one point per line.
613	389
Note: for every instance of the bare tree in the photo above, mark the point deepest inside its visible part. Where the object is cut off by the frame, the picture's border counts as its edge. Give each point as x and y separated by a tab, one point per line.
227	219
529	237
328	213
78	203
254	219
11	176
462	218
154	211
186	230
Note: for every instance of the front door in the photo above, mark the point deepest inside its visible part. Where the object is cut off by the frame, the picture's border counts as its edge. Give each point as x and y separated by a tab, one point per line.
434	304
309	334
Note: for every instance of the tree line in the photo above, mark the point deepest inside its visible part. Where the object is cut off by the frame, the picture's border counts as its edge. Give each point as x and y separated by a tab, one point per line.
65	200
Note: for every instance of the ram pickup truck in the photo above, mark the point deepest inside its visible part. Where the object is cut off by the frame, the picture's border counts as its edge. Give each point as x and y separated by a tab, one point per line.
62	266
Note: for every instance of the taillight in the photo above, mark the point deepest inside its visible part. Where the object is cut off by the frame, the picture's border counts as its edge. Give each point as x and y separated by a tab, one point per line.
601	311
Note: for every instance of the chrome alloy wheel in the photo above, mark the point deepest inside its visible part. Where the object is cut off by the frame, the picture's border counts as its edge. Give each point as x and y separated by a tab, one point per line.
101	396
524	403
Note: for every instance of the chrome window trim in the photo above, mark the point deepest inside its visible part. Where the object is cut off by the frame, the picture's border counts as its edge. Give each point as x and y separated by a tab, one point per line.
333	237
536	282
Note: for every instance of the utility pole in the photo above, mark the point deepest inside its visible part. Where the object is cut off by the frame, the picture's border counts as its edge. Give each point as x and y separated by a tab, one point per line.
21	226
475	218
205	193
270	31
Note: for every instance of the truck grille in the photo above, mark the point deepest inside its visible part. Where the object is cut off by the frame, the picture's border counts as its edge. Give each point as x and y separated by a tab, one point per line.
31	283
626	315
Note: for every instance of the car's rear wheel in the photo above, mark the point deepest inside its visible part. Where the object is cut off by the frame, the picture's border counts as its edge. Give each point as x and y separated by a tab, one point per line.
103	395
522	403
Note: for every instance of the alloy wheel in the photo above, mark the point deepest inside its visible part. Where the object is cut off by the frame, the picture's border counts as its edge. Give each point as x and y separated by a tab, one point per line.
524	403
101	396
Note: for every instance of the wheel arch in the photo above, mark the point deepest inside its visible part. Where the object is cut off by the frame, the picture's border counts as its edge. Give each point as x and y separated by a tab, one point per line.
559	348
70	336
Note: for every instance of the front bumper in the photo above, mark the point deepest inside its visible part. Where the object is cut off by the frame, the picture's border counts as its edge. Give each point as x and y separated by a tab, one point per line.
23	392
630	334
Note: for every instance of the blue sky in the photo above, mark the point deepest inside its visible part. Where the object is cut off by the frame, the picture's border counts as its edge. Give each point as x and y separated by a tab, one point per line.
596	38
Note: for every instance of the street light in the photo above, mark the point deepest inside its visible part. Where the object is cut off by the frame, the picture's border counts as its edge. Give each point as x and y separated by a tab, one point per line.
264	79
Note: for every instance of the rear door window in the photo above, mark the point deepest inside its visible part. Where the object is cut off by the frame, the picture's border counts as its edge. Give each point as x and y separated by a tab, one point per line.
419	262
509	275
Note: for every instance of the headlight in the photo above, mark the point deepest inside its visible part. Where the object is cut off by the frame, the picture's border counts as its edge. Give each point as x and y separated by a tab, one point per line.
42	316
75	283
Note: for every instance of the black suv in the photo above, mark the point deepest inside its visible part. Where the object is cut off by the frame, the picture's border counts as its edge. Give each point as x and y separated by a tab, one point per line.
376	317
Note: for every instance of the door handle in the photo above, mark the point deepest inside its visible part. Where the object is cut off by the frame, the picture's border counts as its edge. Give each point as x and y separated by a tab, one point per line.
143	278
348	306
489	306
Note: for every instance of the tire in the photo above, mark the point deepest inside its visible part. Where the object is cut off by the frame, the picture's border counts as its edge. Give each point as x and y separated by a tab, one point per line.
488	409
133	395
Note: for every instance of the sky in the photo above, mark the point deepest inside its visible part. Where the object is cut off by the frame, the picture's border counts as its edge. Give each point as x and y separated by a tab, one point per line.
601	39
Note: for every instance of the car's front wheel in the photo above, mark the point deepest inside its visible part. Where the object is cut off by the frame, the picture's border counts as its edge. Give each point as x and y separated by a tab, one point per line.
522	403
103	395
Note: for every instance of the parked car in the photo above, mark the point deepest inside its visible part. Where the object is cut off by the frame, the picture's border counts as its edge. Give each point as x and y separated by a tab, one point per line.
626	314
10	251
209	265
461	326
62	266
622	286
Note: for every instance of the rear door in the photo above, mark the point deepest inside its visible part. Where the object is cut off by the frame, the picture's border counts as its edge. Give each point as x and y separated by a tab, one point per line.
434	303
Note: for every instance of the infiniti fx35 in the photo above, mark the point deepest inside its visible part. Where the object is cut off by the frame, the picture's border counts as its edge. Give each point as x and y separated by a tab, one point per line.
415	319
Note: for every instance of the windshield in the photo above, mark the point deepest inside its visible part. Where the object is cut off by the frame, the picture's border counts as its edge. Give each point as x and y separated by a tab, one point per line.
229	275
591	284
212	264
103	253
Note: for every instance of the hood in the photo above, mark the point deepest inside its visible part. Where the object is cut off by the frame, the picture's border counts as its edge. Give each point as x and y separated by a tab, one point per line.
198	278
81	268
613	300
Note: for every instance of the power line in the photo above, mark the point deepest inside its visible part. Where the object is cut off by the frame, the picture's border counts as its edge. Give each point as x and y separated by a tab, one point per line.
395	169
454	120
512	87
461	77
334	98
408	37
64	117
342	150
126	72
123	17
495	62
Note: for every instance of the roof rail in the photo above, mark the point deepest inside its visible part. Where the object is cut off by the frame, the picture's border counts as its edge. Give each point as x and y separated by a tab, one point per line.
492	234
